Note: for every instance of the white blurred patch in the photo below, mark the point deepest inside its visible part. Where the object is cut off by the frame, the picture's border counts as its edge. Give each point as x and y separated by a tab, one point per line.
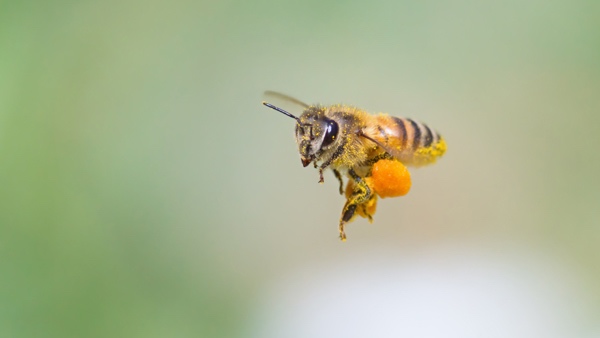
454	291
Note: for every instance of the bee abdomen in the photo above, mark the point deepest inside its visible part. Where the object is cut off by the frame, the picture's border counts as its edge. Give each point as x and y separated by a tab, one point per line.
415	135
420	144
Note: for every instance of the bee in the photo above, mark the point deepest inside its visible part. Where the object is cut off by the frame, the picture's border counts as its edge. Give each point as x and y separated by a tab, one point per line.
372	151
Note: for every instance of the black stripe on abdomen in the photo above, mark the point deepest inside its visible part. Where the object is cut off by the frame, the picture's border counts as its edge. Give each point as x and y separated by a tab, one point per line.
428	136
402	130
417	134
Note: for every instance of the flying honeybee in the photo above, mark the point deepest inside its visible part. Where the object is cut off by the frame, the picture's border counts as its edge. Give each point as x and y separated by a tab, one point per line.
371	150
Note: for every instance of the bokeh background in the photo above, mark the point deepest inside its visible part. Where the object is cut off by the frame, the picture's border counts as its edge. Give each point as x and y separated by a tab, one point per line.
145	192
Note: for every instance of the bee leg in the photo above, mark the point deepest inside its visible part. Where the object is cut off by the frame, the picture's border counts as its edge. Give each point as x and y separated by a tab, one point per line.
384	156
321	180
347	215
360	194
339	177
365	211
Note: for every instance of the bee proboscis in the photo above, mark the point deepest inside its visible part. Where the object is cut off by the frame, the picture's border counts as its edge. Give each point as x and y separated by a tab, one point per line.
372	151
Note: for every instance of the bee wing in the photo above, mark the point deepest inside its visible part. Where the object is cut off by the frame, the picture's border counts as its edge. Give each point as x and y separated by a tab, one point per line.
285	98
389	145
410	142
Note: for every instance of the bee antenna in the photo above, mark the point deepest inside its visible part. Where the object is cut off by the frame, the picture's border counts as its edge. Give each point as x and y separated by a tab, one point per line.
281	111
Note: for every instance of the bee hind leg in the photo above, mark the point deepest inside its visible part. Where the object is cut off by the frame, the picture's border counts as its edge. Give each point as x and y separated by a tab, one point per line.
360	194
347	216
339	177
365	210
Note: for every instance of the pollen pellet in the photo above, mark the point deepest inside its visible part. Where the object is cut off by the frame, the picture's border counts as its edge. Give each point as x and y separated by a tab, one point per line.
390	178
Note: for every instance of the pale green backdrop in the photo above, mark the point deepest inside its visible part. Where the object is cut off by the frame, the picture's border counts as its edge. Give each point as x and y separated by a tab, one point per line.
145	192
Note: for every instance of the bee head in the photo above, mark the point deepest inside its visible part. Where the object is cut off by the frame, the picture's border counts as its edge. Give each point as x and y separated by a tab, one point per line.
314	132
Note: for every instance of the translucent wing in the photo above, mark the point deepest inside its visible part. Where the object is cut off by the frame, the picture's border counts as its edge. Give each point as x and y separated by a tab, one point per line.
410	142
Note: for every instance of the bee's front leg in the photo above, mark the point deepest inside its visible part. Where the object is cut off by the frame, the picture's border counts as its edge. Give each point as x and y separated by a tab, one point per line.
339	177
321	168
361	193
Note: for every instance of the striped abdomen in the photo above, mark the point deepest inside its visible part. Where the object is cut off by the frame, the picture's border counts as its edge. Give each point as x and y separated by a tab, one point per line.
411	142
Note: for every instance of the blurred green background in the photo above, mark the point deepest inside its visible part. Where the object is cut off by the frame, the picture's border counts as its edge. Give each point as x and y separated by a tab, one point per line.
145	192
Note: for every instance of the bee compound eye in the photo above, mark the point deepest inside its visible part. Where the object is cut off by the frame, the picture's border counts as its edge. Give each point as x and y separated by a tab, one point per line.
331	132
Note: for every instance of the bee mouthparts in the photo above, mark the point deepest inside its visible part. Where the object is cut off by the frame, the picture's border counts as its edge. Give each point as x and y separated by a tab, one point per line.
306	161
